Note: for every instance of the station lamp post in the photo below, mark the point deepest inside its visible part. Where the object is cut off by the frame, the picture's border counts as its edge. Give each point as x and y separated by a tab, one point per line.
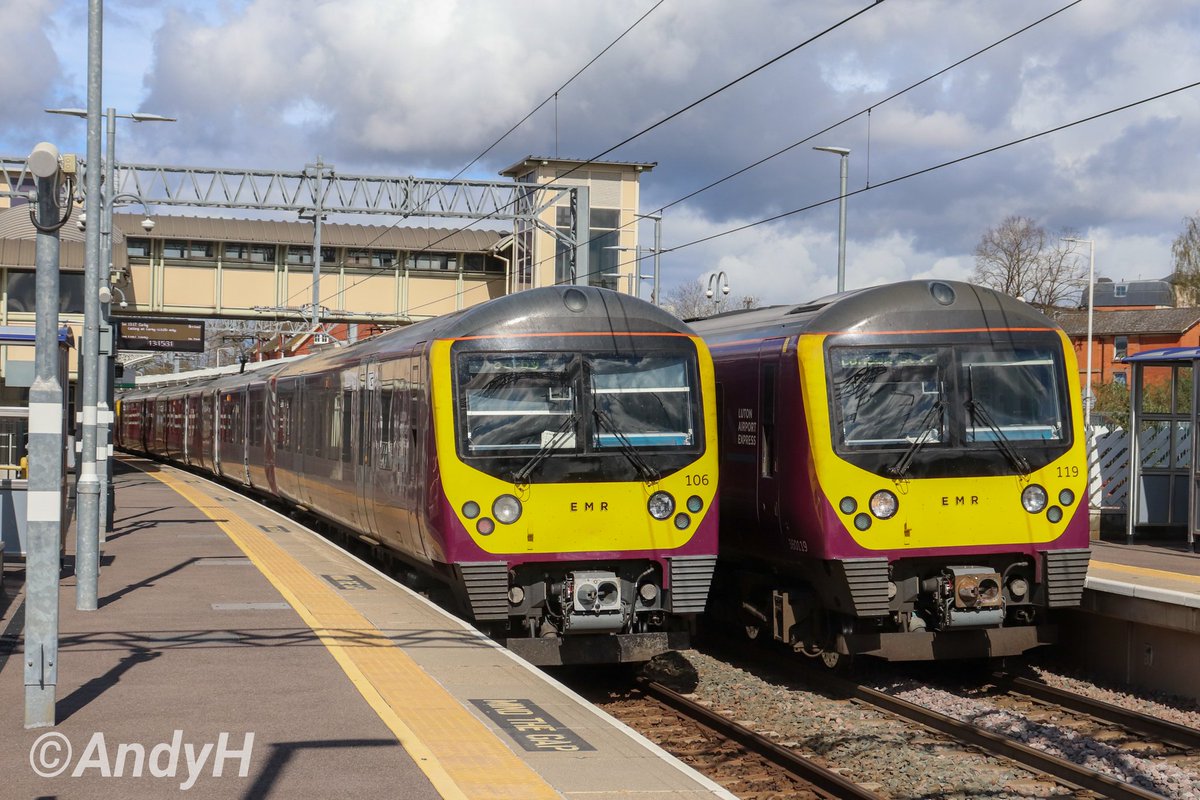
635	277
91	518
657	250
717	281
844	153
1088	398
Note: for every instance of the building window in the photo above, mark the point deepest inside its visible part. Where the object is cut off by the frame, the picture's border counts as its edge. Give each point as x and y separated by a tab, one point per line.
602	241
137	248
302	254
1120	290
184	250
482	262
432	261
254	253
1120	347
1119	379
200	250
376	259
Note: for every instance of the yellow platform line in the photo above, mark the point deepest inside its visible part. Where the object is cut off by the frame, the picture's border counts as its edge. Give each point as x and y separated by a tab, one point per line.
459	755
1146	572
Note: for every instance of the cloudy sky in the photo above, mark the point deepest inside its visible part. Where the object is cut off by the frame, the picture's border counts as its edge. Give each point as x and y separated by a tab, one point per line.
421	87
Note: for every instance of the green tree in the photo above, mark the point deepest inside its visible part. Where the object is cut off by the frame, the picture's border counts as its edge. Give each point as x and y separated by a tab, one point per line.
1185	253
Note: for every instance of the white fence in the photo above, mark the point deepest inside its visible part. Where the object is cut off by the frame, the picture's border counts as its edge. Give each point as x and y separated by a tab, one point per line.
1108	484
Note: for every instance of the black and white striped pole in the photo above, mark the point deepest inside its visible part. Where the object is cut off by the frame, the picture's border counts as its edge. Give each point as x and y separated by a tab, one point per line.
46	453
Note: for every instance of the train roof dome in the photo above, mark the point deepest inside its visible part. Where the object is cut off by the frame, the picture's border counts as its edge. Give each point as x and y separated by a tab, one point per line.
910	305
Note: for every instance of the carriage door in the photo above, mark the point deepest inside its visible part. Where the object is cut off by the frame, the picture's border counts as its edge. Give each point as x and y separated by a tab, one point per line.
768	440
1190	441
367	430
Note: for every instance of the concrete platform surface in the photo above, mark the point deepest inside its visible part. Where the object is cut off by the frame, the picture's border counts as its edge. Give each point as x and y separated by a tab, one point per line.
237	654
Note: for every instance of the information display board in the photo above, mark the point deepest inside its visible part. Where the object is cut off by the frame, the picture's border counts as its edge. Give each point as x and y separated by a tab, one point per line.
160	335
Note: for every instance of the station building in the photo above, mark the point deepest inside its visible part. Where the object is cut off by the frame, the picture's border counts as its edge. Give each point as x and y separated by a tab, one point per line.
196	266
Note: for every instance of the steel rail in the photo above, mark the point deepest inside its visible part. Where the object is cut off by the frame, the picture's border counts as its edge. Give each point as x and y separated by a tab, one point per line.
1169	732
824	780
1071	773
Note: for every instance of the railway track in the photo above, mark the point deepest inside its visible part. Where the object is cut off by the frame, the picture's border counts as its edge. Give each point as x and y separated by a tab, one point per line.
744	762
1068	772
1088	748
1145	726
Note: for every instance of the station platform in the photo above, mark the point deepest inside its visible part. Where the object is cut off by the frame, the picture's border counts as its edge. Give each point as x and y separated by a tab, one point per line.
237	654
1161	571
1139	620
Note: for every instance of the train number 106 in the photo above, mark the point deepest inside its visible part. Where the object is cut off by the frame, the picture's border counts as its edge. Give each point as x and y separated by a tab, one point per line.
697	480
1068	472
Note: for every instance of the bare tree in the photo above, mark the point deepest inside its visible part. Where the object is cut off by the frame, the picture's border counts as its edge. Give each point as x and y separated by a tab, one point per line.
1017	257
690	301
1185	253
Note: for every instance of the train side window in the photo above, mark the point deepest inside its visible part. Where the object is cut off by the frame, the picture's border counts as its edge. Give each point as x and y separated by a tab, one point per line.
767	449
281	428
385	427
720	392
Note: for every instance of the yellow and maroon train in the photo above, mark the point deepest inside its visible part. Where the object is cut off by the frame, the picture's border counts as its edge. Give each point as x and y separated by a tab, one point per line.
550	456
903	472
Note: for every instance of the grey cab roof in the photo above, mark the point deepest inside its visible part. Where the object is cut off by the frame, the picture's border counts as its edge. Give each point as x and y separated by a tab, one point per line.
910	305
550	310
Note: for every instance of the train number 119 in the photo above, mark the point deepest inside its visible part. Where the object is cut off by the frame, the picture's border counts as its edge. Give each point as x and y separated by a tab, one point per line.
1068	472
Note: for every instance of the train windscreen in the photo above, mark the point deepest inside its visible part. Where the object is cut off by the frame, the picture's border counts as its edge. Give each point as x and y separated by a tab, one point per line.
561	404
896	396
517	402
889	396
644	401
1016	389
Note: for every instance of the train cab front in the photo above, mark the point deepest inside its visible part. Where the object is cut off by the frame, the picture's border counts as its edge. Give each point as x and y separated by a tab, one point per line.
955	492
585	490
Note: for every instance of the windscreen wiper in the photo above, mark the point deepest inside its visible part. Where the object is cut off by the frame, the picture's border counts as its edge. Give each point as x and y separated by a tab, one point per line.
978	410
551	444
900	468
647	472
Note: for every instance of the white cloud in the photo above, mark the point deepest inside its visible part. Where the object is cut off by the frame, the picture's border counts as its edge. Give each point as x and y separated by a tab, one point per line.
413	87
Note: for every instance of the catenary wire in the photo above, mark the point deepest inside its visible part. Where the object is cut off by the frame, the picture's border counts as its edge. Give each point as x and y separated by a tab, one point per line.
867	110
552	96
935	167
640	133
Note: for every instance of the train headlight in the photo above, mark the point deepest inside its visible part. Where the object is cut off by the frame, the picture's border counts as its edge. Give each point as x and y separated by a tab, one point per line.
485	527
470	509
884	504
694	504
661	505
1054	514
1033	498
862	521
848	505
506	509
682	521
1066	497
